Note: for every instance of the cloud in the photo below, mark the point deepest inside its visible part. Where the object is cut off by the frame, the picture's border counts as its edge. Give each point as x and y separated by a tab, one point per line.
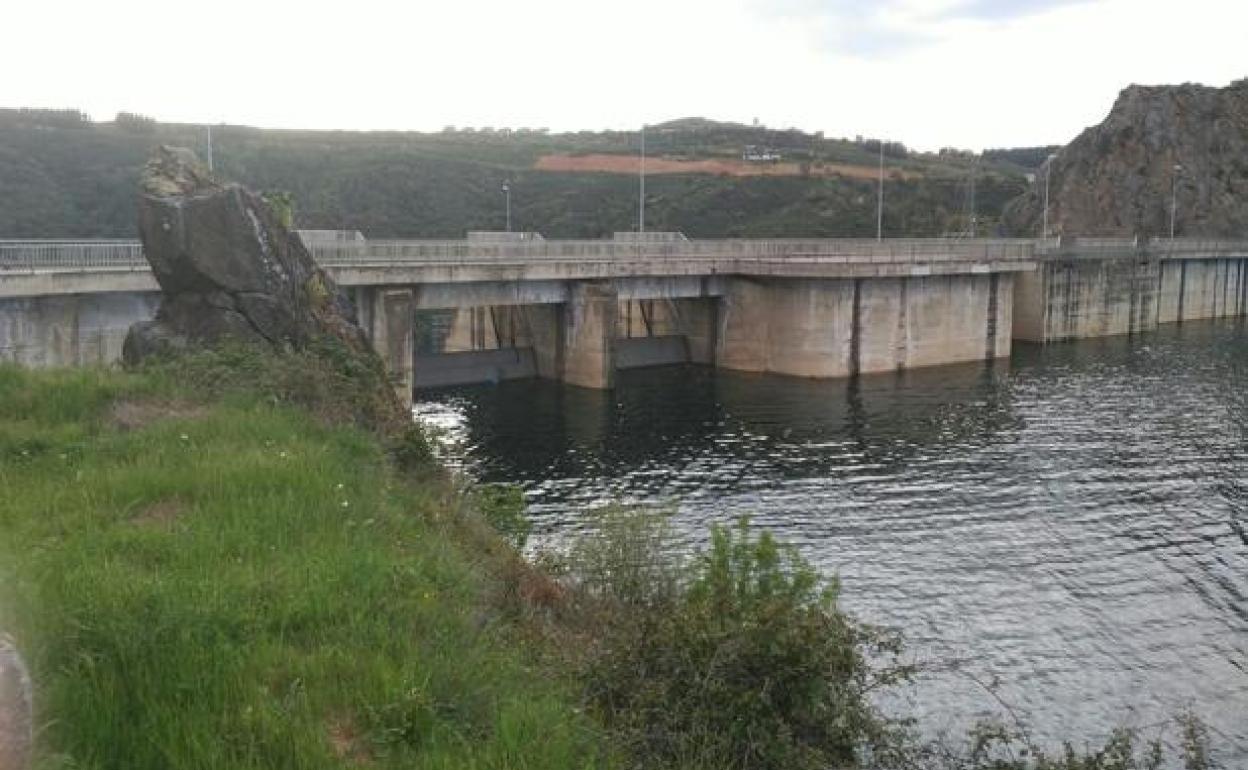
1005	10
886	27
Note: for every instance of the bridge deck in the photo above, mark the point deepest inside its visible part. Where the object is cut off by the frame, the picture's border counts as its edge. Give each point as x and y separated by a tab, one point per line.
39	267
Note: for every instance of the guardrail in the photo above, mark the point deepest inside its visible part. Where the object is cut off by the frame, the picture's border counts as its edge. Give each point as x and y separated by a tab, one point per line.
77	255
71	255
126	254
1159	248
897	250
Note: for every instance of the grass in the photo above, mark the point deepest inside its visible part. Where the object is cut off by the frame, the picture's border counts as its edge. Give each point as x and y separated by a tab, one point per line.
206	576
239	585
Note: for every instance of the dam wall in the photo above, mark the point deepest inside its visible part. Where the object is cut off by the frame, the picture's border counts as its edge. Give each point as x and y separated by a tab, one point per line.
1197	289
439	312
70	329
1078	298
840	328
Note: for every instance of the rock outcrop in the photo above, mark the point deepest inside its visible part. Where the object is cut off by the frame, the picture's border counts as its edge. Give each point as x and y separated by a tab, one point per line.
1115	179
227	267
16	727
230	270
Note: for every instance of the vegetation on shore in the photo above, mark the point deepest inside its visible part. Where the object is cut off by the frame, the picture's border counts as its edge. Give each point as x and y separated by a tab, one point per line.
233	584
212	565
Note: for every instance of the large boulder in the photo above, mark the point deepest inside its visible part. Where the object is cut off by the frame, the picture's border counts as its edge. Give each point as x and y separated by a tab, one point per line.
1117	178
16	725
229	269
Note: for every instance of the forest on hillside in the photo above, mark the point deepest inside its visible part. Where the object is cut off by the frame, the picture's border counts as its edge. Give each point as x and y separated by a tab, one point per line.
63	175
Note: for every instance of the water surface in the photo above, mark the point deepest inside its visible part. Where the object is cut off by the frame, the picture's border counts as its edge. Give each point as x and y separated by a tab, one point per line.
1072	523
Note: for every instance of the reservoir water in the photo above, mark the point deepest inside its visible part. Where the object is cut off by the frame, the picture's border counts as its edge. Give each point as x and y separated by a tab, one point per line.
1071	524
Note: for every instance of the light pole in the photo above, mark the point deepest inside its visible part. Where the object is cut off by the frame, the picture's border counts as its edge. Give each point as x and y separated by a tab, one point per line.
879	204
641	185
1048	172
209	129
1174	196
507	193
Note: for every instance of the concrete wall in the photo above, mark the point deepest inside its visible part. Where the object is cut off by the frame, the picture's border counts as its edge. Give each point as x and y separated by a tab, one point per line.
71	329
1196	289
1080	298
391	333
589	335
839	328
813	327
473	367
1073	299
698	321
640	352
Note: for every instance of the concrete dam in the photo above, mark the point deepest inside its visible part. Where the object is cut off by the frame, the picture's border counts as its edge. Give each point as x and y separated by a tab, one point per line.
501	306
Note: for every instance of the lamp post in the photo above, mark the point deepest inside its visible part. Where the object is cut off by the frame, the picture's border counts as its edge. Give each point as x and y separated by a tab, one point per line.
879	204
1048	172
641	185
209	130
1174	196
507	193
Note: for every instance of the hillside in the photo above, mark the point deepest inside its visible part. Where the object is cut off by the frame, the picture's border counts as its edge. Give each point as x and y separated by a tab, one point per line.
1117	178
62	175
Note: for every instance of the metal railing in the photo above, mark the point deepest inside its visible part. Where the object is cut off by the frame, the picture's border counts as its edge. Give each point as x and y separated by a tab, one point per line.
71	255
1155	248
82	255
796	250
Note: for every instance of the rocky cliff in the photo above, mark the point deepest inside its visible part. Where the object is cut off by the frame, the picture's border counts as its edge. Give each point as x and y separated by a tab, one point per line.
1116	179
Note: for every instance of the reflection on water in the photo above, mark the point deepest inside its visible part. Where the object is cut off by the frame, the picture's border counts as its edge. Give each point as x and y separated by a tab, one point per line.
1074	523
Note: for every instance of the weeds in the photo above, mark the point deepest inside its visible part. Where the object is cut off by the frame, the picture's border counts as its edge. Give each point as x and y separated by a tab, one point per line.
191	591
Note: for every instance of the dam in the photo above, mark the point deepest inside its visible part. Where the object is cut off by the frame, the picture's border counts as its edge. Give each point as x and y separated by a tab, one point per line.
498	306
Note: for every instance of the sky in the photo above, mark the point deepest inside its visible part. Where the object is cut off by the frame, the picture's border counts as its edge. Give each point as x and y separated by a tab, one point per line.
930	73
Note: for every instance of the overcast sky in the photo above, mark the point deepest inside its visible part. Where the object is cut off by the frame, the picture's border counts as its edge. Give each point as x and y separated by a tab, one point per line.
930	73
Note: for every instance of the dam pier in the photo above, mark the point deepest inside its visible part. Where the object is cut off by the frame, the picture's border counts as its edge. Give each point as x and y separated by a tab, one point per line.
501	306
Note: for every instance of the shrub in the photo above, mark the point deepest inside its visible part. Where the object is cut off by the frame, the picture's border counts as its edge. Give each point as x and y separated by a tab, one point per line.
746	663
502	506
411	450
326	379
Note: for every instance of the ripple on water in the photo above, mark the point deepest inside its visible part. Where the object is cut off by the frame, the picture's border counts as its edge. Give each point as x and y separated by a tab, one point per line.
1073	525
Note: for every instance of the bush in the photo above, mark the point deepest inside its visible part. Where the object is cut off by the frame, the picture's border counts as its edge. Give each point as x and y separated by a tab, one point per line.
326	379
746	663
502	506
412	452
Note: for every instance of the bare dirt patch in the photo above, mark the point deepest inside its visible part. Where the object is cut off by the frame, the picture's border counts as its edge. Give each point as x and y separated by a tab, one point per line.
628	164
346	741
133	415
162	514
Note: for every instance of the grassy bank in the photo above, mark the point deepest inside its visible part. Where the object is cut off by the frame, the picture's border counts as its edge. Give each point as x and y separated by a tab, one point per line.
206	570
227	584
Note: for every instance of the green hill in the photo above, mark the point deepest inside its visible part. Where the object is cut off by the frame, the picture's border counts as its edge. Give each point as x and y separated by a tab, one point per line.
62	175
